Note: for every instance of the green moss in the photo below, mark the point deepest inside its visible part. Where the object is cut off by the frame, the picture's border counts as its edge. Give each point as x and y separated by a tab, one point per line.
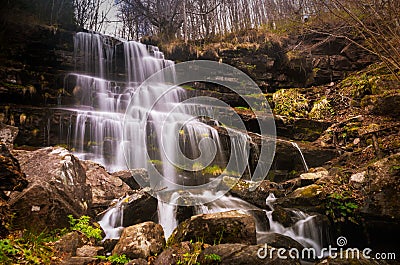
214	170
290	103
321	109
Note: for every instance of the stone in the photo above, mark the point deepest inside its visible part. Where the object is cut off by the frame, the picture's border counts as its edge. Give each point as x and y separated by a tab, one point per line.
11	176
240	254
89	251
217	228
312	176
69	243
140	207
141	241
134	178
175	253
381	209
308	199
241	189
79	261
105	186
137	262
57	188
8	135
357	180
279	241
283	216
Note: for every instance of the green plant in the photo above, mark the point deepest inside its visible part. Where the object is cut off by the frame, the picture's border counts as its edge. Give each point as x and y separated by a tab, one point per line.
290	103
242	108
115	259
341	207
214	170
30	248
213	257
321	109
83	225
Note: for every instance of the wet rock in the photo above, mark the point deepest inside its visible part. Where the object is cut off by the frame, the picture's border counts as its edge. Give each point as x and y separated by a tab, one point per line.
141	207
89	251
283	216
11	176
57	188
308	199
141	241
239	254
134	178
217	228
257	197
8	135
69	243
109	245
279	241
105	187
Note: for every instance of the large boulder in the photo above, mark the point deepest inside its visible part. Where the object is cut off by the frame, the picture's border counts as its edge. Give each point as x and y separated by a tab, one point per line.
179	253
133	176
381	210
140	207
8	135
141	241
242	190
279	241
309	199
11	179
11	176
105	186
57	188
240	254
217	228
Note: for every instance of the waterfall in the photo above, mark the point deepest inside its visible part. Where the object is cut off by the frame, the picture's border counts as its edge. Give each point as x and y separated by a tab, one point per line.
305	230
118	125
303	160
108	78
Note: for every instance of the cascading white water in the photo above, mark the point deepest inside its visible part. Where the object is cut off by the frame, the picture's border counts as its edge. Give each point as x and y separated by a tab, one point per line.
303	160
305	230
103	94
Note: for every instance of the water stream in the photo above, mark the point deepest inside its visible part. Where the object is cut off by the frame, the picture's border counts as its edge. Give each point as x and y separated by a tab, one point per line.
105	86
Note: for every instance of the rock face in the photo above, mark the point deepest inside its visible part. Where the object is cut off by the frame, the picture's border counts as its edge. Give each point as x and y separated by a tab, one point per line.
69	243
8	135
57	187
217	228
11	176
141	241
105	187
141	207
324	60
381	209
239	254
129	177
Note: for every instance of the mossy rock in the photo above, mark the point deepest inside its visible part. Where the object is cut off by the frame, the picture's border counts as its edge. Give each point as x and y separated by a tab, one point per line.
216	228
